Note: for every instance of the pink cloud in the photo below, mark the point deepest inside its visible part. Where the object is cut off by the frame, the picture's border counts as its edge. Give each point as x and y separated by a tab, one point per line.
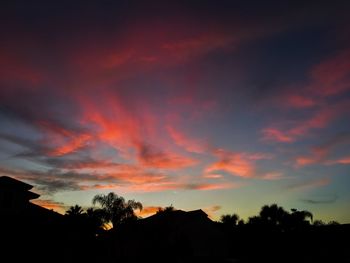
344	160
331	76
320	118
327	79
274	134
321	154
299	101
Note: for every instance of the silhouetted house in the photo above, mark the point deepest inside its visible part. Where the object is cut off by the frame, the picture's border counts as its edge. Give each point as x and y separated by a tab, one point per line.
25	226
15	199
175	236
14	195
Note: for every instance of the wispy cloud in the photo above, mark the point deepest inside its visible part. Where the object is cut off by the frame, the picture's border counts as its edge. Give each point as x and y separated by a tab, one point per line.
211	211
327	199
240	164
189	144
51	204
321	154
149	156
309	184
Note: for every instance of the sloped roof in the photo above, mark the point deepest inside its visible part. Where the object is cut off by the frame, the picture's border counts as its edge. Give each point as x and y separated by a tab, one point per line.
6	181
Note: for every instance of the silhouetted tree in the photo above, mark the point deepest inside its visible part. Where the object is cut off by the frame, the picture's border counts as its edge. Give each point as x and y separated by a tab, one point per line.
319	223
115	209
95	219
273	215
333	223
299	218
75	211
230	220
167	209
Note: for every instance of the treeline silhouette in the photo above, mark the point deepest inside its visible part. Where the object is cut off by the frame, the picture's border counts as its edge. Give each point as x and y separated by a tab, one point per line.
110	231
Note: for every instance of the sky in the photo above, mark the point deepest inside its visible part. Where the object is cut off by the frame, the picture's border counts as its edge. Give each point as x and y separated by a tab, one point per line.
222	105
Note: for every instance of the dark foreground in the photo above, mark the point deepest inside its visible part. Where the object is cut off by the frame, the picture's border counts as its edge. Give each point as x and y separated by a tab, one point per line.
178	239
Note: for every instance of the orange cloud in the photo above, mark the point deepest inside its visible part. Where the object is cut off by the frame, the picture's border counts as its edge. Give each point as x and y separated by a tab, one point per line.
240	164
72	145
50	204
212	176
178	186
61	140
212	186
113	123
138	177
318	156
148	211
234	163
189	144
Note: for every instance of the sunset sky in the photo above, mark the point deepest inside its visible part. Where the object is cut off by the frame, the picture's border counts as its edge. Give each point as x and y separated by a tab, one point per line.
217	105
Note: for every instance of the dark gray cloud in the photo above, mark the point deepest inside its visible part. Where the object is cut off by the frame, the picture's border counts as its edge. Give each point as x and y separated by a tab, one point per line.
55	180
328	199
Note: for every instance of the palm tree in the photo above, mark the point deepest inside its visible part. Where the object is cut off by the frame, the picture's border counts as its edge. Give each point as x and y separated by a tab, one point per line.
95	219
116	209
75	211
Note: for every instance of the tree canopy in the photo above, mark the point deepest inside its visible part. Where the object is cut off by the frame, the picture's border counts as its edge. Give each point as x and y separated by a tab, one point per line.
115	209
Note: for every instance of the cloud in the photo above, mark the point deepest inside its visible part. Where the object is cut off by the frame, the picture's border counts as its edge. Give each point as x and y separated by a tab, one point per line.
344	160
326	81
274	134
328	199
149	156
148	211
331	76
189	144
299	101
305	185
63	141
319	119
238	164
321	154
50	181
212	210
51	205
